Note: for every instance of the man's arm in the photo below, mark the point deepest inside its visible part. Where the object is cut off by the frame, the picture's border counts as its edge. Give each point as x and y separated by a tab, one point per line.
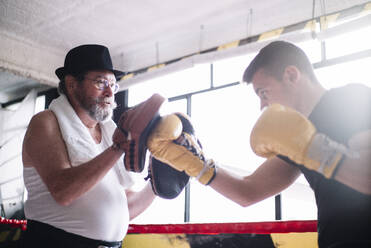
45	150
273	176
139	201
170	143
356	172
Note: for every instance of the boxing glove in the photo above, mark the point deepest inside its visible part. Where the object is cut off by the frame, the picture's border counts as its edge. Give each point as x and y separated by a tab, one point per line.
172	141
283	131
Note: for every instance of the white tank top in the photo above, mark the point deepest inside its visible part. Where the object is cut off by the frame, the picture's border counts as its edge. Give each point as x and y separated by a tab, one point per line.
102	212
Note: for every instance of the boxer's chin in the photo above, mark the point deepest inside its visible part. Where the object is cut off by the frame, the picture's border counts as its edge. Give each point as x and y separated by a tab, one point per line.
102	112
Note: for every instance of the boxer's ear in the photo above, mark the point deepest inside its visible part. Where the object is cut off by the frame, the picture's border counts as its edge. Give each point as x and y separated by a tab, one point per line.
291	75
70	82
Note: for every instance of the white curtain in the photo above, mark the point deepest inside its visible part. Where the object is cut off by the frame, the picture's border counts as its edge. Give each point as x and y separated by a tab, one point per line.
13	125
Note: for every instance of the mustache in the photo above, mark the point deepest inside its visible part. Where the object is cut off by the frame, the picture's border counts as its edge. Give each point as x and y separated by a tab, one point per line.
109	100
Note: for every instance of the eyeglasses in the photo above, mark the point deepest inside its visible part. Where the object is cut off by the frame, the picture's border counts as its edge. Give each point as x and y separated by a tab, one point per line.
102	84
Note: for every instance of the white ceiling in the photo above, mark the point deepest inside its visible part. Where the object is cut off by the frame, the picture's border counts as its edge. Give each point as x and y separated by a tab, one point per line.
35	35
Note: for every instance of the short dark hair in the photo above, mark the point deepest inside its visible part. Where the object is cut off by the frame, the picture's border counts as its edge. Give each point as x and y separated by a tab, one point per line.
275	57
62	84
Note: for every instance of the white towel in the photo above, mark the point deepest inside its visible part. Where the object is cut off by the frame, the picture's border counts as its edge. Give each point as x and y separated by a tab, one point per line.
81	146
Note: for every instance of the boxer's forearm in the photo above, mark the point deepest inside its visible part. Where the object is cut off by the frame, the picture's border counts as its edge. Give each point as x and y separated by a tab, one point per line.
69	184
139	201
273	176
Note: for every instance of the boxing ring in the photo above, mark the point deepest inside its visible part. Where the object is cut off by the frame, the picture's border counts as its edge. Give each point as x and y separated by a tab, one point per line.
282	234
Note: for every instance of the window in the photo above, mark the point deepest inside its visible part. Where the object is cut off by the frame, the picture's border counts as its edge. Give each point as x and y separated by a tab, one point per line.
356	71
347	43
312	49
223	119
230	70
177	83
220	119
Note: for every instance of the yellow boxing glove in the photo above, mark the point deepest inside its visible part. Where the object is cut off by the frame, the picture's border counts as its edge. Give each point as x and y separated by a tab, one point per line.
283	131
173	142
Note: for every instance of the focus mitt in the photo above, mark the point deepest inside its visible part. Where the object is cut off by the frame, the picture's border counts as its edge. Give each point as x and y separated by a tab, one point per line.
133	129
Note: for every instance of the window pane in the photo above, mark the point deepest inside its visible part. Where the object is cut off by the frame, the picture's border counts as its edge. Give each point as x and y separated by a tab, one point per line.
312	49
223	120
231	70
162	211
348	43
298	202
174	84
356	71
211	207
174	106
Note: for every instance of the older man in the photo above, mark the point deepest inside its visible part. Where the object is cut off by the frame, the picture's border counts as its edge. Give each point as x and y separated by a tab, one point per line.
78	189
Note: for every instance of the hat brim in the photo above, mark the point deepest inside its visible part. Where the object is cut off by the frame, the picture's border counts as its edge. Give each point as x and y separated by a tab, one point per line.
118	74
61	72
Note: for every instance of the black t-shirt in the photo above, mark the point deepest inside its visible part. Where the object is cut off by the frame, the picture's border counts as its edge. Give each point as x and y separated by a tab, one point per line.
344	214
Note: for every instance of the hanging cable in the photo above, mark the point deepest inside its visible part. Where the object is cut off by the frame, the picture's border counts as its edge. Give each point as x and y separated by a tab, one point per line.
313	26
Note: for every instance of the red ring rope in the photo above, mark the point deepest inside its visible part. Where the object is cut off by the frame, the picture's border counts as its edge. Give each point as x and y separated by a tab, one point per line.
14	223
208	228
216	228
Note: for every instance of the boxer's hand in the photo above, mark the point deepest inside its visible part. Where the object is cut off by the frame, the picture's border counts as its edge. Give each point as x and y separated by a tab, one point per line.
284	131
119	139
173	142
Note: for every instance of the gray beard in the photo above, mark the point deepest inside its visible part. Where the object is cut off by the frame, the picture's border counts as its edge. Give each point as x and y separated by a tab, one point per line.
101	114
95	111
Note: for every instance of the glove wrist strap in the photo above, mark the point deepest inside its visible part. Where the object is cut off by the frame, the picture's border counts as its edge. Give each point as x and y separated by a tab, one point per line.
208	172
328	153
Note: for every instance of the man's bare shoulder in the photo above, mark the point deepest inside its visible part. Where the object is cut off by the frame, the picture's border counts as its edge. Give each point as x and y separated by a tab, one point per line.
43	126
44	117
43	141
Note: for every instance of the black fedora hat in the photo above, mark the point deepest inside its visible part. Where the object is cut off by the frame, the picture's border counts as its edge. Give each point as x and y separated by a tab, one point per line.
87	58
